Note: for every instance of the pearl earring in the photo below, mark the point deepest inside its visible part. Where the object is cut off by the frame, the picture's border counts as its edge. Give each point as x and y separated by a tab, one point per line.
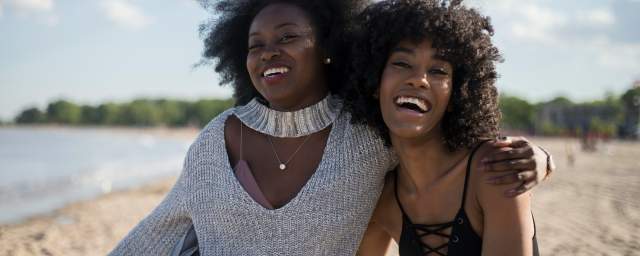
327	61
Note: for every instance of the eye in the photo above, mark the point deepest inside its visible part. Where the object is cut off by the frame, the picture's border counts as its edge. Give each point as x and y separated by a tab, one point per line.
438	71
255	46
401	64
286	38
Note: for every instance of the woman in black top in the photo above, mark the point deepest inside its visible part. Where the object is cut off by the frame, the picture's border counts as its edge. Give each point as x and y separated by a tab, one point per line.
436	104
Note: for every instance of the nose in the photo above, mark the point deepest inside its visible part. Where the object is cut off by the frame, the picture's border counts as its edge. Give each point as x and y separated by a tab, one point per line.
269	53
419	79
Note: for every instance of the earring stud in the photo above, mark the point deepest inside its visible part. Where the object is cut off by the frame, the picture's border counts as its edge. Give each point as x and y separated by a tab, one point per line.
327	61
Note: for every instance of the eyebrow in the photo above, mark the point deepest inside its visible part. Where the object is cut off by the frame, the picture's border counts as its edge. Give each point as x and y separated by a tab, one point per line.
286	24
402	50
276	27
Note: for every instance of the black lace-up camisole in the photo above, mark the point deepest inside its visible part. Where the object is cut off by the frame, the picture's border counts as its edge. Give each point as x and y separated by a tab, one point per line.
463	240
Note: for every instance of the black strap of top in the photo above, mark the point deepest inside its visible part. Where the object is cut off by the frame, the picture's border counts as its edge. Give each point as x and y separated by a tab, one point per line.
434	229
395	191
468	172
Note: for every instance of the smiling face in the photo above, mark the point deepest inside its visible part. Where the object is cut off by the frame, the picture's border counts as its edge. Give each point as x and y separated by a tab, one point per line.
284	59
414	90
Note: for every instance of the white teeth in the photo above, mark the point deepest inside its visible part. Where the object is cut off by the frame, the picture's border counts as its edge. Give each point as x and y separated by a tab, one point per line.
274	71
420	103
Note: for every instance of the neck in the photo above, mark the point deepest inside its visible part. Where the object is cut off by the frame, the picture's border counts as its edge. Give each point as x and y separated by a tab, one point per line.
299	102
423	161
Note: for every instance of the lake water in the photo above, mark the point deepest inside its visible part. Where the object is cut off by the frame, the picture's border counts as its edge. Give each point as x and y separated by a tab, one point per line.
45	169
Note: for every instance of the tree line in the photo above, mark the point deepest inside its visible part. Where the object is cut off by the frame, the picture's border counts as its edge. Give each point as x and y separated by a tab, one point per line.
613	116
140	112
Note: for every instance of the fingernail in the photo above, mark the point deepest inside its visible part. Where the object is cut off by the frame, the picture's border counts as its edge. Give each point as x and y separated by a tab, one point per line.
511	193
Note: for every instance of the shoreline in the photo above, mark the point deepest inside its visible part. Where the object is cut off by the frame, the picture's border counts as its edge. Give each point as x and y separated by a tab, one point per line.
162	131
92	179
89	227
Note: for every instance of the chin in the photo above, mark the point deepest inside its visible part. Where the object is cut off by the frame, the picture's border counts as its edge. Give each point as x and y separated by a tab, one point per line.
413	131
407	131
276	94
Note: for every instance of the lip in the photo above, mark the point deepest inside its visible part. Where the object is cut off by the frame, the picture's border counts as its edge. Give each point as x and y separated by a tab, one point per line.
413	94
274	65
274	79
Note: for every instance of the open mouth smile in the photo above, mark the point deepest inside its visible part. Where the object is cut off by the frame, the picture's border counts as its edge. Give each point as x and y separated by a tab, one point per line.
271	72
414	104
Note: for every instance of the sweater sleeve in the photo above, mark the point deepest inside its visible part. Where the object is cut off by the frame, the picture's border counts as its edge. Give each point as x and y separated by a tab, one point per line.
158	233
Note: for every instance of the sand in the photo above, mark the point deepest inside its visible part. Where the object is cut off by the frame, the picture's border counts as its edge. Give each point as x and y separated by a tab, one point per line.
593	206
589	208
85	228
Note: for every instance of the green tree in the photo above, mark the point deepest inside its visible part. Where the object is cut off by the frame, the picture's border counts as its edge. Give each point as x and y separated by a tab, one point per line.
142	112
203	111
550	129
109	114
516	113
31	116
64	112
599	126
174	113
90	115
561	101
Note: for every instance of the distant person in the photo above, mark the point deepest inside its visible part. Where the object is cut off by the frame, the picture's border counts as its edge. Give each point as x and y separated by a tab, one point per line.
570	152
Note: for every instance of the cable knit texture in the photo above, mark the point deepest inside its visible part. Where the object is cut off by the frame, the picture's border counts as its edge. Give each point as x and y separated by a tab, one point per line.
327	217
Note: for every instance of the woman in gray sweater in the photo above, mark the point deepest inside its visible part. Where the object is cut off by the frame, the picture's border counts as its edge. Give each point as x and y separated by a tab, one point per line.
285	172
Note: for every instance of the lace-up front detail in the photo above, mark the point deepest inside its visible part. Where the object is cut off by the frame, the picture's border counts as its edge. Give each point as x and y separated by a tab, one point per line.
421	231
462	240
412	241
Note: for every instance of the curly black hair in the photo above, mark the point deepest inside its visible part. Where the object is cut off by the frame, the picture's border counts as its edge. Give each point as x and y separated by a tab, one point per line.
226	38
461	35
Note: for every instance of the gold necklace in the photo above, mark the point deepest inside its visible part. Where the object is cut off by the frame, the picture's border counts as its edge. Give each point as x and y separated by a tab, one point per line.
283	166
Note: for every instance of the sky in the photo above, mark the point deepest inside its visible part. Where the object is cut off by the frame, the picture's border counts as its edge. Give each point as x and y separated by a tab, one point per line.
94	51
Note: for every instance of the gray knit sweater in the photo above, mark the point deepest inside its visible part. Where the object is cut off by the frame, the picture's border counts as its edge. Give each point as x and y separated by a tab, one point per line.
327	217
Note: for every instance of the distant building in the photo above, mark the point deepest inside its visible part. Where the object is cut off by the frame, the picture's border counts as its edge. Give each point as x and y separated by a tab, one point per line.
560	116
631	125
611	117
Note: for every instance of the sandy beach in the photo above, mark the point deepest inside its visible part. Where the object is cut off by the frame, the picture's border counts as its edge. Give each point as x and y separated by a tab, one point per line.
591	207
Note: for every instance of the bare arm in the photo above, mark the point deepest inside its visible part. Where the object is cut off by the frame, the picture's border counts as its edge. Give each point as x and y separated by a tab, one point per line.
376	241
384	226
507	221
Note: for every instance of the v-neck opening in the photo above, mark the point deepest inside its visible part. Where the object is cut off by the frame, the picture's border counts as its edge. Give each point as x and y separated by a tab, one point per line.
309	184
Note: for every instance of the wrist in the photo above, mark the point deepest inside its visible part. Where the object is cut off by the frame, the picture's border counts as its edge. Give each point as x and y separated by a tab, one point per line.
551	167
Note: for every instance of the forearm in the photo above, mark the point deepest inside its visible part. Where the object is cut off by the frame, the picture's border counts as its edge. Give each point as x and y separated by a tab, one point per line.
376	242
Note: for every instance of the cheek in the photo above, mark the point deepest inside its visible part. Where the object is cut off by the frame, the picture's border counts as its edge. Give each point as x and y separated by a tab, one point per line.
251	62
386	85
443	91
388	82
305	51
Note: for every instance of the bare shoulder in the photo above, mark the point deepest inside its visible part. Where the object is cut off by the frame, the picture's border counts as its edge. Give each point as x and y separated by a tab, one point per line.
490	195
505	223
480	152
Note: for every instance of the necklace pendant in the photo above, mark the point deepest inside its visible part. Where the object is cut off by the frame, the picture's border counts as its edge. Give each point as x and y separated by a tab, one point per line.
283	167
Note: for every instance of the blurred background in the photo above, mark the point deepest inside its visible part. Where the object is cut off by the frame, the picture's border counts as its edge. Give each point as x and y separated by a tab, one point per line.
100	99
